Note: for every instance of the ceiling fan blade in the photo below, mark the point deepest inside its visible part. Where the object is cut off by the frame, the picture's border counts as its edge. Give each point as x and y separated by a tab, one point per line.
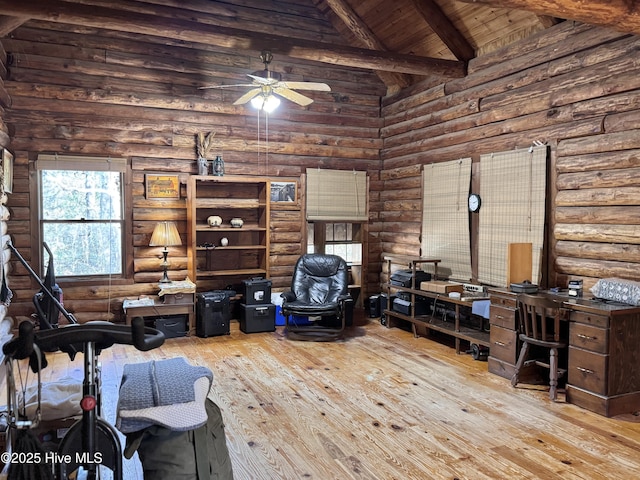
262	80
291	95
320	87
247	96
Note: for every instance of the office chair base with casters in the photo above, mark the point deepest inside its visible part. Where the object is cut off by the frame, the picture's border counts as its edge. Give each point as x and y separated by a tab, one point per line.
319	288
539	319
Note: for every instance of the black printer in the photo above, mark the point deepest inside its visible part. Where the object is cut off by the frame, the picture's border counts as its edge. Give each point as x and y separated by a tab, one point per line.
402	278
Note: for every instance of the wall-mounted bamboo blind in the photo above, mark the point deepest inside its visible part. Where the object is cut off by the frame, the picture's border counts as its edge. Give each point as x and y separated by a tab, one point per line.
445	217
513	191
337	195
76	162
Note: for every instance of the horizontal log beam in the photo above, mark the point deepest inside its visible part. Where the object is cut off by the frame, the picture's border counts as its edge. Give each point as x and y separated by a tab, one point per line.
598	251
621	15
614	215
627	177
597	268
118	20
598	196
597	233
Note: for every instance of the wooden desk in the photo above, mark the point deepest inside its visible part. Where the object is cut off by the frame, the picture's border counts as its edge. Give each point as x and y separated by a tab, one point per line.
603	366
160	309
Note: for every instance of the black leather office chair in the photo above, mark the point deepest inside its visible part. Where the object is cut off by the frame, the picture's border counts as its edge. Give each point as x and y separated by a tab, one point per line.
319	288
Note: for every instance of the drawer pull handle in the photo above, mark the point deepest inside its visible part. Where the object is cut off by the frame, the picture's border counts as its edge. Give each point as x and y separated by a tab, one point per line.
500	344
585	370
499	317
586	337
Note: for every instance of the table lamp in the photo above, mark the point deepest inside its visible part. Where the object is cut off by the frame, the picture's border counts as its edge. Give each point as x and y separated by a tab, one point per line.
164	235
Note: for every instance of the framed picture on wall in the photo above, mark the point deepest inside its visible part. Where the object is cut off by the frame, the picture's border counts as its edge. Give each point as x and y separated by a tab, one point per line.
7	170
162	186
284	191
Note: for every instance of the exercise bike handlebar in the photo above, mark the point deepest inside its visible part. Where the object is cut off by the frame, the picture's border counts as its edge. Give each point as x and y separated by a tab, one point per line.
102	334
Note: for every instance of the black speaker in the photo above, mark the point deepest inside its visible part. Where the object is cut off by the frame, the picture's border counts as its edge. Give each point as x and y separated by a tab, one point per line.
213	314
374	306
386	302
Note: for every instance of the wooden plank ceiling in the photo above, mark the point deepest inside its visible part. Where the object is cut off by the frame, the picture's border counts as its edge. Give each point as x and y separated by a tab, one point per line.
404	41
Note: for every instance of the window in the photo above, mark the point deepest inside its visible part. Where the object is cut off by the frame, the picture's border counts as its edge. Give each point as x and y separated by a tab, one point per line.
445	217
337	207
81	214
513	191
336	238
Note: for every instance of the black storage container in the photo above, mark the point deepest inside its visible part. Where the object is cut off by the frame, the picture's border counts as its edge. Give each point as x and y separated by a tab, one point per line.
403	305
385	302
374	306
256	291
213	313
257	318
172	325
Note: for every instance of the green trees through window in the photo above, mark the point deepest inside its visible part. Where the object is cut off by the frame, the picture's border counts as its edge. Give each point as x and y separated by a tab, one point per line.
81	215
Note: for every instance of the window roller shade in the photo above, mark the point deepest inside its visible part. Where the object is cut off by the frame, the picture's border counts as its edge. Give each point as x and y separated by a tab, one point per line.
337	195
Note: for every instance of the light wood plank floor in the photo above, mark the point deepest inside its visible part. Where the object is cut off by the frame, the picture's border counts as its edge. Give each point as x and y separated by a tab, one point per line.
382	405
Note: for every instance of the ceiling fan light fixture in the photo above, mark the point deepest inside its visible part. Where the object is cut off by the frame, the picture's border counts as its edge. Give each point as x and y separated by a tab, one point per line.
267	103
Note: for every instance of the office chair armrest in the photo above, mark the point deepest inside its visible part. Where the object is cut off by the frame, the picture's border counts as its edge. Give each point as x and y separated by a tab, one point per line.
288	296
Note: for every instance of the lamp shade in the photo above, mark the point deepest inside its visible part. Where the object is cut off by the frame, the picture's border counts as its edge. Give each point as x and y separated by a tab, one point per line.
165	234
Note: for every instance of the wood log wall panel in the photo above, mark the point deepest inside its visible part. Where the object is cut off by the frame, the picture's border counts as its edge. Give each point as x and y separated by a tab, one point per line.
575	87
7	319
80	91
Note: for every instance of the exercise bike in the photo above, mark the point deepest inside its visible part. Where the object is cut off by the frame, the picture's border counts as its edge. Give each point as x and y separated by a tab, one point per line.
91	441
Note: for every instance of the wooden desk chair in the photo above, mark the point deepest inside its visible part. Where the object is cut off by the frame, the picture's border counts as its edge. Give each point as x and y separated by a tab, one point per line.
539	319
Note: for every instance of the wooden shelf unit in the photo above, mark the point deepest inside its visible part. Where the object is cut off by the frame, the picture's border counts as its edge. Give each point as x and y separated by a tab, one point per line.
431	322
210	264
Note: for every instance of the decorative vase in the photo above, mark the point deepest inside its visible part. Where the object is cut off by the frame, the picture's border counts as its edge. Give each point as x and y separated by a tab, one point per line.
218	166
214	221
224	241
236	222
203	166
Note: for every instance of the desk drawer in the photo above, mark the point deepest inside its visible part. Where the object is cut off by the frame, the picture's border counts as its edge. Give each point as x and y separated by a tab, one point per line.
510	301
178	298
589	338
587	370
503	317
504	344
590	319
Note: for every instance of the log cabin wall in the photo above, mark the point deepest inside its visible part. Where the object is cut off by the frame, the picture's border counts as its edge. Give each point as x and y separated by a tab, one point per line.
81	91
572	86
6	322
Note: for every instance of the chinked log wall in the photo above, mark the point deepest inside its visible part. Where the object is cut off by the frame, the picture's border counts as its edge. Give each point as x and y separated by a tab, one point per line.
574	86
4	211
82	92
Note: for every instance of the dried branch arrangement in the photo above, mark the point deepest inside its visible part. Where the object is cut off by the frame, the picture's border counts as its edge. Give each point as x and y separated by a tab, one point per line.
204	144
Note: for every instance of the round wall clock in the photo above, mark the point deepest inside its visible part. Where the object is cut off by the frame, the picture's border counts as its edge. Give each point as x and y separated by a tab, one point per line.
474	202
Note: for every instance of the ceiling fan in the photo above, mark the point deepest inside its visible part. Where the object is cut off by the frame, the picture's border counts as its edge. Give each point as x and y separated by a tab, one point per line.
266	84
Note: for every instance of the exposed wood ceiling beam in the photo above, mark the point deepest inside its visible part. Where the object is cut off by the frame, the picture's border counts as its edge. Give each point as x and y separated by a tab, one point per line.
442	26
366	38
9	23
118	20
621	15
